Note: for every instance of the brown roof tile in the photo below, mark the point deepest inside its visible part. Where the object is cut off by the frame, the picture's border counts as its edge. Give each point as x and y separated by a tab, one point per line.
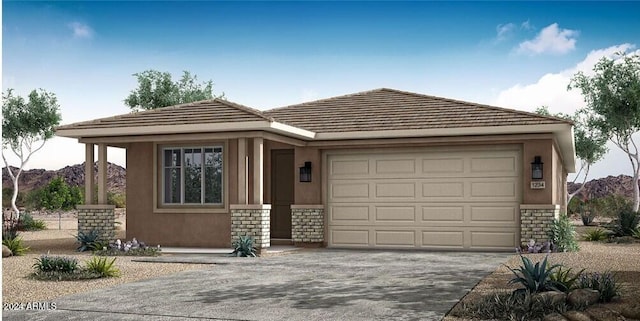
389	109
201	112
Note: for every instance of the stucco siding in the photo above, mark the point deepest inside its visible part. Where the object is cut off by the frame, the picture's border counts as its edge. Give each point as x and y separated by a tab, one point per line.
168	229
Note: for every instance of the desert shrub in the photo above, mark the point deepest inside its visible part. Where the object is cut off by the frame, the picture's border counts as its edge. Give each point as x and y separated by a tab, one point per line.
103	267
97	245
636	233
27	223
510	306
626	223
147	251
565	280
596	234
59	268
243	246
534	278
15	244
611	205
61	264
605	283
563	234
117	199
87	240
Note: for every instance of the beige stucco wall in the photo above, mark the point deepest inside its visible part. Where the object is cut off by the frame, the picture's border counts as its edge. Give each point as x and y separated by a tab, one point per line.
544	149
173	229
213	229
310	192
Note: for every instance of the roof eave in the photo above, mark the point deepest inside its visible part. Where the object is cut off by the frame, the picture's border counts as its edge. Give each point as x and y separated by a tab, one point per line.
563	132
264	125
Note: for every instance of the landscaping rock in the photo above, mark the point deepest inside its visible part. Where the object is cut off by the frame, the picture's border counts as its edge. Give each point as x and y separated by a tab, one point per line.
577	316
554	317
5	251
550	297
631	310
600	313
583	297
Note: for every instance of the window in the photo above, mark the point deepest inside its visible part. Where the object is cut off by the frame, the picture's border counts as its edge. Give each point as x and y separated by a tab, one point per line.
192	175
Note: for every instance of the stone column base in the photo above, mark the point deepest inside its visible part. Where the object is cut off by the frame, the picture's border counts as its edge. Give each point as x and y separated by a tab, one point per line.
536	220
252	220
307	225
97	217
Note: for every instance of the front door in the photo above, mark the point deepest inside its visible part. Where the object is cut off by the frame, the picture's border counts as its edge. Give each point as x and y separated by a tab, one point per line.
282	176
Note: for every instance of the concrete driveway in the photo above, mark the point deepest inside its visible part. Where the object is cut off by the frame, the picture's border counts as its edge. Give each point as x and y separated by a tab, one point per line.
308	285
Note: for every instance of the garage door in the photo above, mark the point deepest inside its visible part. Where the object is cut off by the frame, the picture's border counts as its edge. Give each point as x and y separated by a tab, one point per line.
466	199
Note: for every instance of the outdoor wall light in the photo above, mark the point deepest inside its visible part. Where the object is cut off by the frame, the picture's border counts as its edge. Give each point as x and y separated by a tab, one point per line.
536	168
305	172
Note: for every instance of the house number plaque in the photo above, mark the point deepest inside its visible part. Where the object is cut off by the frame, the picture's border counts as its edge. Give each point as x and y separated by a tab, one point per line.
537	185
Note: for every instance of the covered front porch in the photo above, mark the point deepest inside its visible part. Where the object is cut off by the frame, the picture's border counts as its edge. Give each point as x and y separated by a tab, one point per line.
262	193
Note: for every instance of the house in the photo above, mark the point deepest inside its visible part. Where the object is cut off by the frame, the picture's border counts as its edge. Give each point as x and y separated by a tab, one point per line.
376	169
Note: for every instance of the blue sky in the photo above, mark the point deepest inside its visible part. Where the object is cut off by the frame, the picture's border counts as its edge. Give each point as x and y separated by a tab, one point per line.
269	54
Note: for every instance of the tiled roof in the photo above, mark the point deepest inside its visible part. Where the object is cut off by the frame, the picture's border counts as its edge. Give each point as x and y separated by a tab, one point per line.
201	112
389	109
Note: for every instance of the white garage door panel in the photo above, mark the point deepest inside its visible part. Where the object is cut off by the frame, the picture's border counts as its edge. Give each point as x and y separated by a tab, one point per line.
493	240
494	214
395	189
439	213
349	213
350	237
454	199
395	238
396	214
395	166
448	239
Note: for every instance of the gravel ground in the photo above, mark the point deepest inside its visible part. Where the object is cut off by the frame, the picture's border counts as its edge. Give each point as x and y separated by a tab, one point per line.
17	288
622	259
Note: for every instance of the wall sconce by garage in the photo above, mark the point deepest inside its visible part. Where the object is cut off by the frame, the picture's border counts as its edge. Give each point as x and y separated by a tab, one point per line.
305	172
536	168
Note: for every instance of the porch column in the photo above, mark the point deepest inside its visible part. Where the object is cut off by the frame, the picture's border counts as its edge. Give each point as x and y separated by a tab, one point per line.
242	171
99	217
258	173
102	174
88	174
253	219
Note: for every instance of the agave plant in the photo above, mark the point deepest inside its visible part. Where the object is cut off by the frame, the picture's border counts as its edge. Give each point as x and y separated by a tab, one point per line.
564	280
86	240
243	246
534	278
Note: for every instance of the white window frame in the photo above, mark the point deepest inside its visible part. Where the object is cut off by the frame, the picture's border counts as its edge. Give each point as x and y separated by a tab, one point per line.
182	175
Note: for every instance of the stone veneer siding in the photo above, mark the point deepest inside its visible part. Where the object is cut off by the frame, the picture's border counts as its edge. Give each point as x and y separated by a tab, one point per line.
307	224
252	220
97	217
536	220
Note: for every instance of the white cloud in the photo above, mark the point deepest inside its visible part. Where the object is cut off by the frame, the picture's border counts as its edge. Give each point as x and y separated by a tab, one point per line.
527	25
551	39
551	90
81	30
503	31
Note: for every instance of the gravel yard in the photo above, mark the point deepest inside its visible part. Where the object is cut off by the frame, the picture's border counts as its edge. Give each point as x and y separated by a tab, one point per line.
622	259
17	288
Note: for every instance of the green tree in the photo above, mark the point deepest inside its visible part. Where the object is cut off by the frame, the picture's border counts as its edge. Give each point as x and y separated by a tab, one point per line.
612	97
156	89
26	126
590	145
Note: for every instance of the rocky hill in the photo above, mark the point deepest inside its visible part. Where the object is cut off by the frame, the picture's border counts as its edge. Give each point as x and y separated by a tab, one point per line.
73	175
620	185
